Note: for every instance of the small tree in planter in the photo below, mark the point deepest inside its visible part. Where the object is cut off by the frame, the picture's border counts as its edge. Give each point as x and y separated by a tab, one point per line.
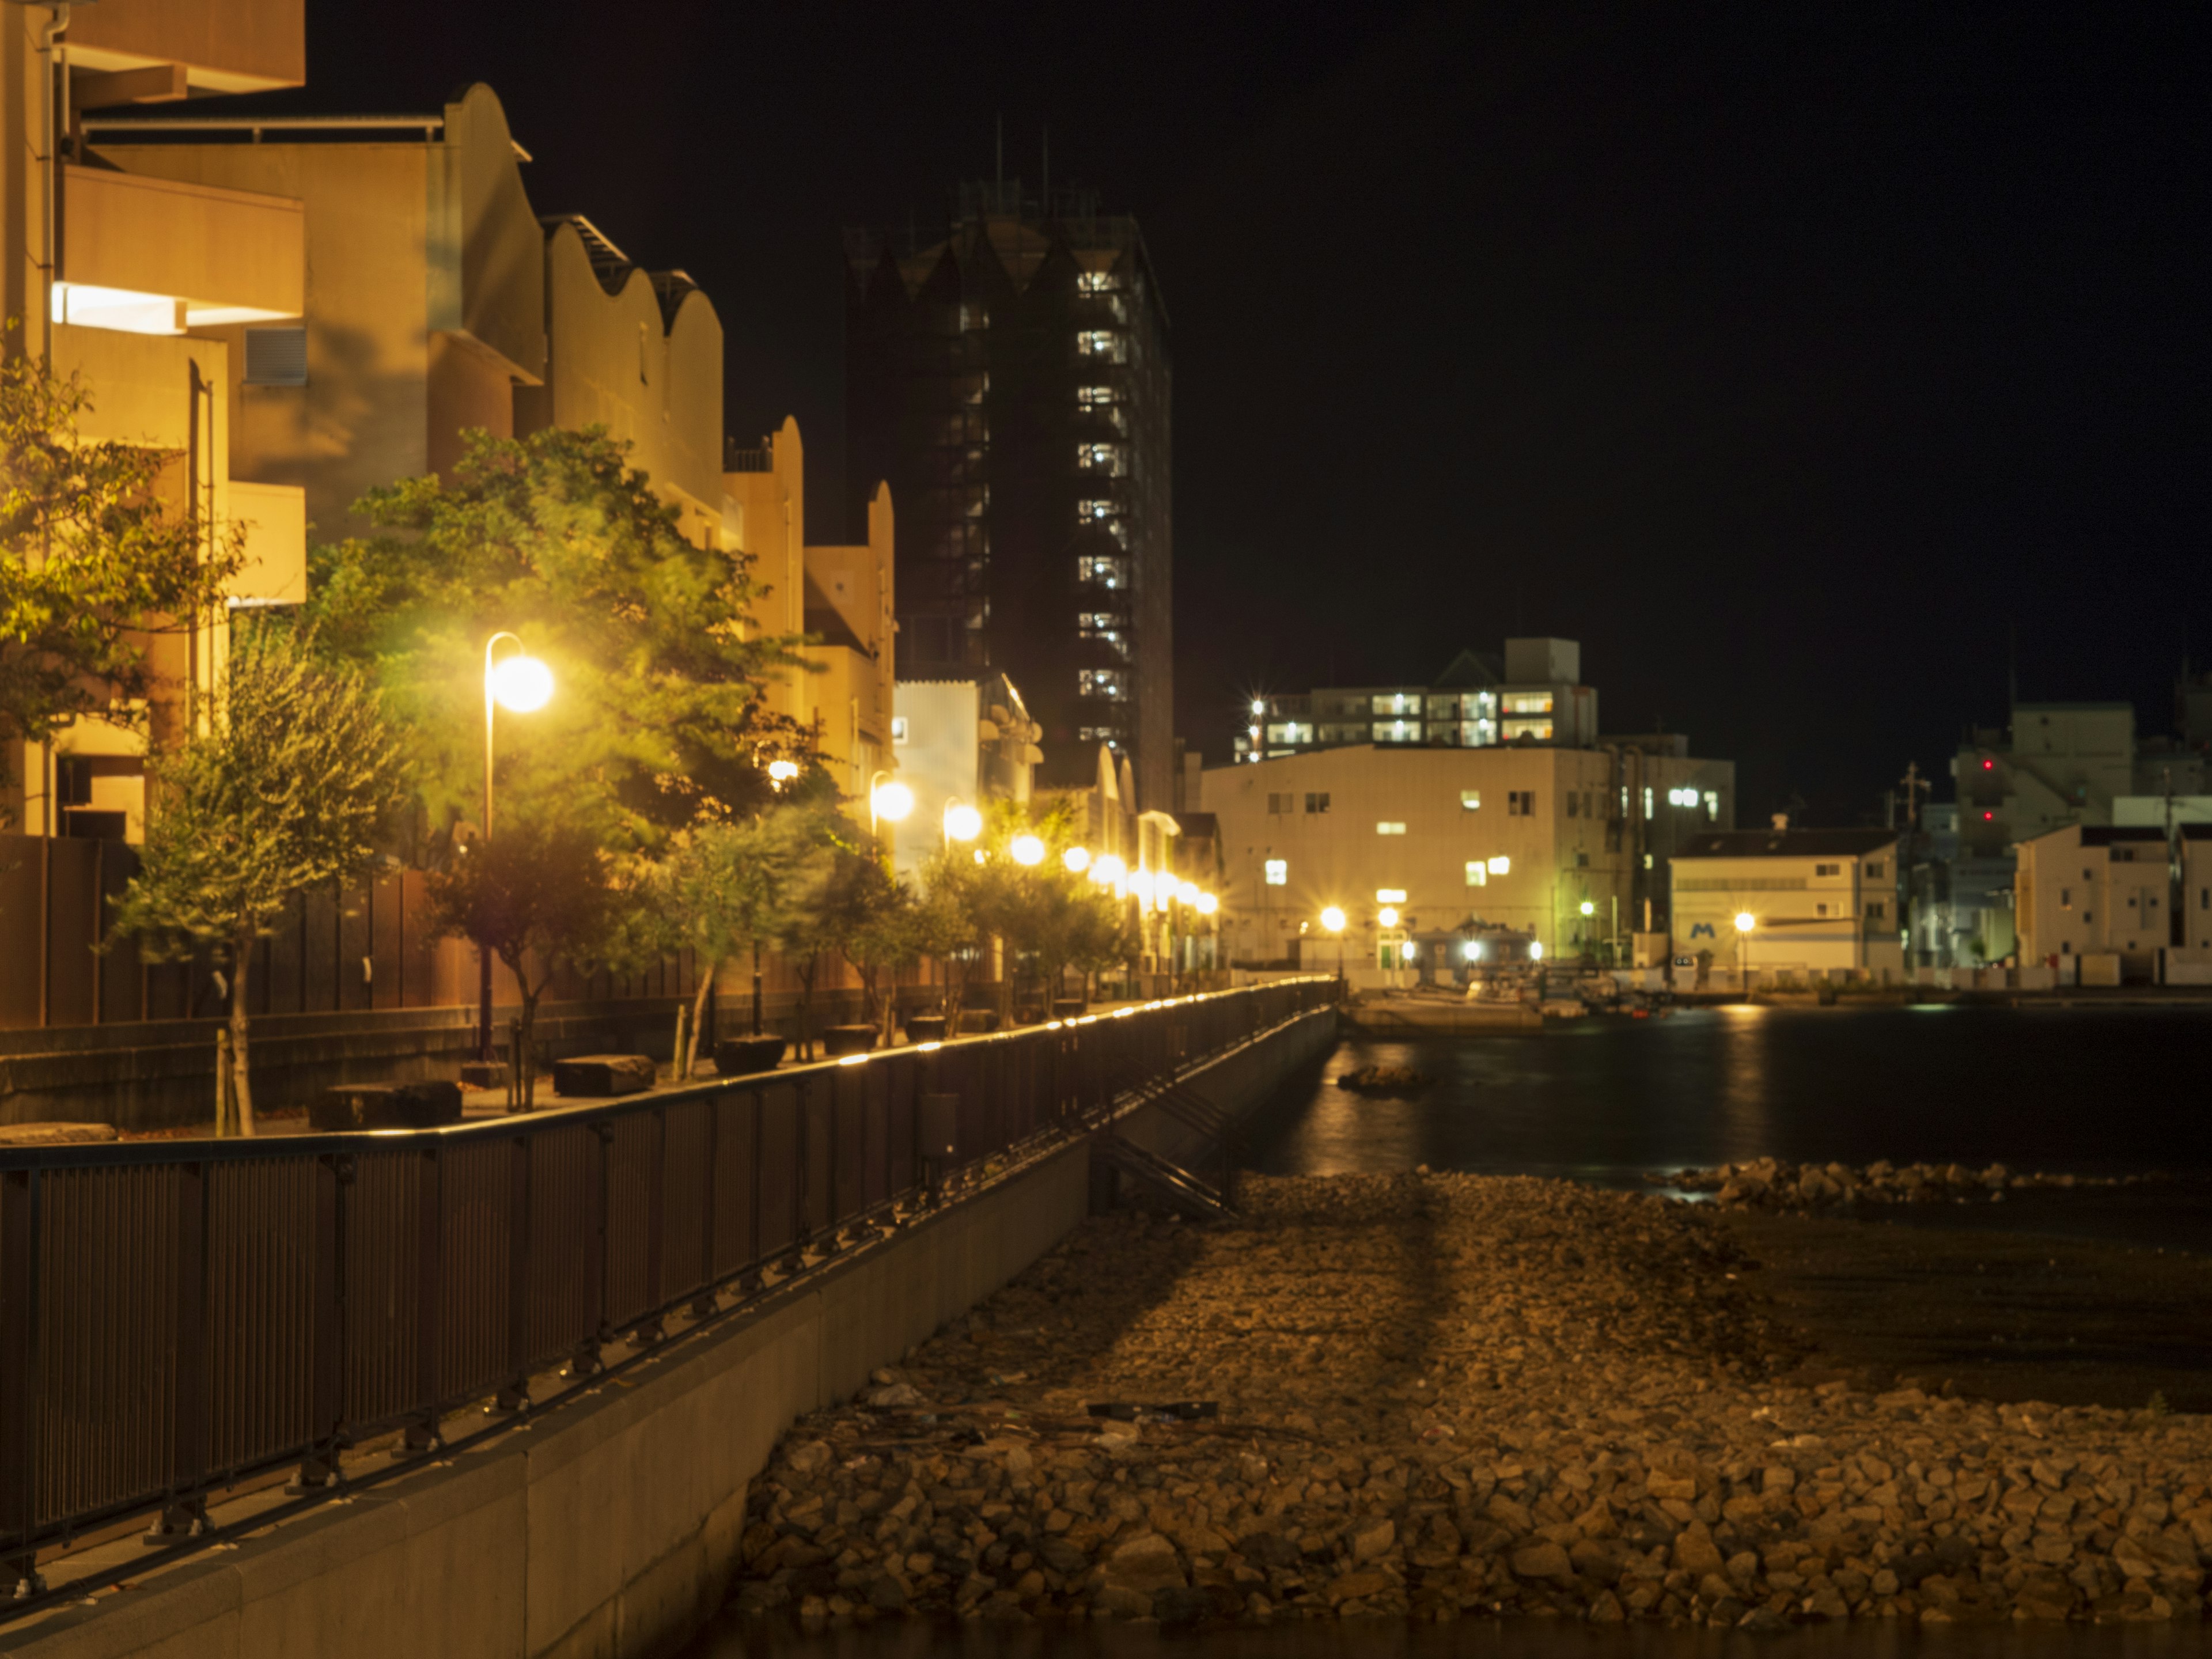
871	918
949	929
732	886
533	895
286	791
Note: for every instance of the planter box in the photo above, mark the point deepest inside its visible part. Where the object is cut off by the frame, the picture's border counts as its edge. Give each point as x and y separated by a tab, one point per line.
979	1020
745	1056
594	1077
925	1028
848	1040
355	1106
1068	1007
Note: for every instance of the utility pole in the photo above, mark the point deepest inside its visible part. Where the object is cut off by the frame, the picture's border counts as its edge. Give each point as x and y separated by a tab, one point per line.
1909	849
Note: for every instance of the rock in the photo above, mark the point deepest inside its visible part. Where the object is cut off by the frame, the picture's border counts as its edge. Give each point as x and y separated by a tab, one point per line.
1696	1552
1543	1560
809	1457
897	1396
1762	1618
1177	1605
1266	1549
1123	1602
1353	1586
1146	1563
1372	1540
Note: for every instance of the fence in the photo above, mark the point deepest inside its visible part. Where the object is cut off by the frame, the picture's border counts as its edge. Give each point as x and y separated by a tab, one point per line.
177	1316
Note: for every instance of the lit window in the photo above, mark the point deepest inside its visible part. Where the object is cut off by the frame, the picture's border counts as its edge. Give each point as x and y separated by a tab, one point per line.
1478	873
1290	731
1389	896
1098	282
1389	829
1094	511
1095	397
1712	806
1397	730
1536	731
1279	872
898	728
1529	703
1100	458
1470	800
1103	343
1398	702
1501	865
1098	681
1106	571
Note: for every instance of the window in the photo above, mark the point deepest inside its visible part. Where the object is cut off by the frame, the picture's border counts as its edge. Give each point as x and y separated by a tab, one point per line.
1574	805
1820	909
1529	703
1874	866
898	729
1098	681
1470	800
1279	872
1290	731
1827	869
1478	873
1398	702
1100	458
1501	865
276	357
1106	571
1520	803
1389	896
1712	806
1876	909
2066	898
1096	511
1103	343
1389	829
641	347
1096	397
1316	800
1283	802
1098	282
1535	731
1397	731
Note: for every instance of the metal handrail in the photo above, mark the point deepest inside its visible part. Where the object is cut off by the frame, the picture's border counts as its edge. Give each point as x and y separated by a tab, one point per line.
177	1316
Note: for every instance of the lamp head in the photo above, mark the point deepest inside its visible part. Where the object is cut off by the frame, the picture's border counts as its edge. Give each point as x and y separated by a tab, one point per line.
892	801
1746	921
1332	919
1026	849
962	822
522	684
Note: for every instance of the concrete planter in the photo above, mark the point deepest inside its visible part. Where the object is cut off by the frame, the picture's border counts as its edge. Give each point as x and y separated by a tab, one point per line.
385	1106
925	1028
595	1077
979	1020
743	1057
1068	1007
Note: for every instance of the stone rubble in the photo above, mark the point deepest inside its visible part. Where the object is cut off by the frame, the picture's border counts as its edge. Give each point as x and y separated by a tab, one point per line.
1775	1184
1445	1396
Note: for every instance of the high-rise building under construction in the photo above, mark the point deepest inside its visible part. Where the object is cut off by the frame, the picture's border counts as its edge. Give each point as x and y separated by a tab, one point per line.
1009	378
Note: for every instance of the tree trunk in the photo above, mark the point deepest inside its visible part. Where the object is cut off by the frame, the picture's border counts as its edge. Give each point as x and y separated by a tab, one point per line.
241	952
757	988
699	1014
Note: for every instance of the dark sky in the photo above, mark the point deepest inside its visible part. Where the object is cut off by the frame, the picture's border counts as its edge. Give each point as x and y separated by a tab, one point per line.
1793	358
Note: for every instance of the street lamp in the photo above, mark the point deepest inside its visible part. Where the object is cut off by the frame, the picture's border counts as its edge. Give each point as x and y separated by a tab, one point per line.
889	800
962	822
781	772
1744	921
1026	849
1077	858
1332	919
523	685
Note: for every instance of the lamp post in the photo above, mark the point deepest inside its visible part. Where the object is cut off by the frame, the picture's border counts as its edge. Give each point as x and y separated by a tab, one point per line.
888	802
1332	920
1744	921
523	685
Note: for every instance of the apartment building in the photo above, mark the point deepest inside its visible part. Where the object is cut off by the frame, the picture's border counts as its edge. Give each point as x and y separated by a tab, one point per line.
1817	902
2085	890
1532	693
1523	836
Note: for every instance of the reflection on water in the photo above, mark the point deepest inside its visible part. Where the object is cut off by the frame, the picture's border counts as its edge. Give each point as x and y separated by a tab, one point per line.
744	1636
2090	1091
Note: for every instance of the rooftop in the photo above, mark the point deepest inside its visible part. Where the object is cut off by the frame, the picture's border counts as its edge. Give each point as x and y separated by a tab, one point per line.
1786	843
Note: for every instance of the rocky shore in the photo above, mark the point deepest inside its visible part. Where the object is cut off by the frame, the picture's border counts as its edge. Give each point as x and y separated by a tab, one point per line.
1448	1396
1772	1183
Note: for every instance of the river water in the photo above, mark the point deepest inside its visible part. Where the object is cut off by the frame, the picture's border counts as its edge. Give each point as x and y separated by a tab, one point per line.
2095	1091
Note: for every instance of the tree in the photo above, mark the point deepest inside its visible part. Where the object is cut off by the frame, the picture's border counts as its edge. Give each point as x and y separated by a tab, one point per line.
727	886
534	895
94	562
658	722
949	926
285	792
870	916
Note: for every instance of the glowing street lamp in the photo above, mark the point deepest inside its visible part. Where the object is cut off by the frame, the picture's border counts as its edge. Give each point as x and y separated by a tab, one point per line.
1207	904
1388	916
781	772
1108	870
523	685
1077	858
1331	920
962	822
1026	849
889	800
1589	908
1744	921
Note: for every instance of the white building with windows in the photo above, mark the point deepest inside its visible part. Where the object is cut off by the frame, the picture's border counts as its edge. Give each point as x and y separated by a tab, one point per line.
1820	903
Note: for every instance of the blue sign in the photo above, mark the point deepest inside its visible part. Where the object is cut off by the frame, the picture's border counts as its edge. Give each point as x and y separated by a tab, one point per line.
1702	930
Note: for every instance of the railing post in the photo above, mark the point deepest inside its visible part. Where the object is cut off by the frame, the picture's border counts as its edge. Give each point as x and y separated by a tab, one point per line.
422	1434
515	1395
586	1359
184	1511
327	1327
702	1304
18	1376
656	1229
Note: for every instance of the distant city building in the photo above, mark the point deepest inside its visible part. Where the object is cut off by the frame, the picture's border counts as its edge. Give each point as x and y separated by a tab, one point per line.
1010	377
957	740
1821	902
1533	695
1452	838
2088	892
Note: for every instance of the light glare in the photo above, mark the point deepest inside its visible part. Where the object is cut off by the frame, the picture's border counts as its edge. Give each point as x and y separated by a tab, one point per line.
892	801
962	822
1027	849
522	684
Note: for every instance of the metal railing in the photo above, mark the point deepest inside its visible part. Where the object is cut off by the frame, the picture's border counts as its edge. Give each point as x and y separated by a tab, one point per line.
180	1316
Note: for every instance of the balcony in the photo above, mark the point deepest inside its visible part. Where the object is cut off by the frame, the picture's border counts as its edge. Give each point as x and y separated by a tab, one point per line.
155	256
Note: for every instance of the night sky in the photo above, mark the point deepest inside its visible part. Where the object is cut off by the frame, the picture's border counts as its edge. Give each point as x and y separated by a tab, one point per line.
1793	358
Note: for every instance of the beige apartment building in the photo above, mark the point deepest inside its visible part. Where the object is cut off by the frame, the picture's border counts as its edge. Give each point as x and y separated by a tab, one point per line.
2093	892
438	299
1821	903
1512	836
139	283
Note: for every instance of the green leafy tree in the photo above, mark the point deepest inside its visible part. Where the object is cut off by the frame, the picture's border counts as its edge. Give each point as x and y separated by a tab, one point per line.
286	791
871	919
94	562
729	886
656	721
949	927
535	895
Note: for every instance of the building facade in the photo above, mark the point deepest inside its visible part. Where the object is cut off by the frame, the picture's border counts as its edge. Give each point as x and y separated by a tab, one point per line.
957	740
1519	836
1531	695
2090	890
137	284
1011	380
1821	902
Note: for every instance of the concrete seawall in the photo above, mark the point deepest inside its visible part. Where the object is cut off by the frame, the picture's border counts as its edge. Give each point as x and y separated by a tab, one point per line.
611	1526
